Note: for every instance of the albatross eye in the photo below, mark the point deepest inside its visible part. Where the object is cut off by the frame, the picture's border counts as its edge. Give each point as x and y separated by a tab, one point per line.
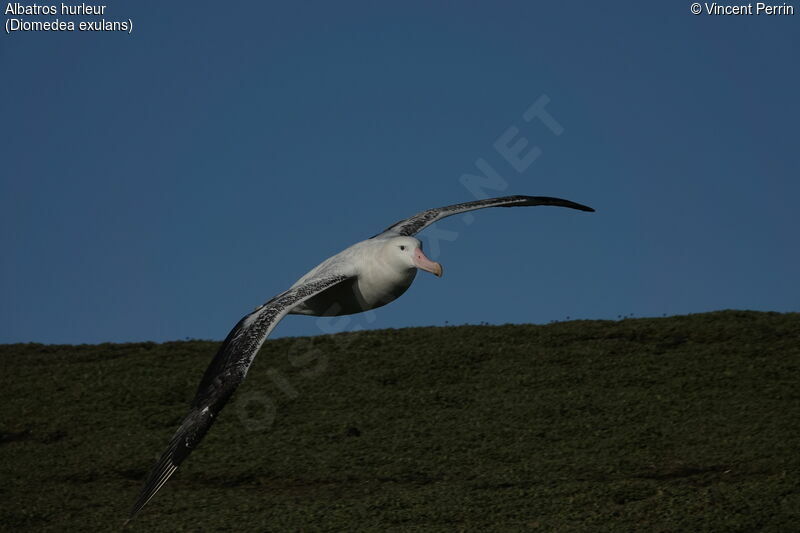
402	247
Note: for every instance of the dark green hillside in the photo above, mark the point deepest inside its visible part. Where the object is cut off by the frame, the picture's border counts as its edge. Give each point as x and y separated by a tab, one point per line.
671	424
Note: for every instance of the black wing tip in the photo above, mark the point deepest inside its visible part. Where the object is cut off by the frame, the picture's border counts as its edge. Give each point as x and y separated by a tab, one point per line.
160	474
558	202
136	509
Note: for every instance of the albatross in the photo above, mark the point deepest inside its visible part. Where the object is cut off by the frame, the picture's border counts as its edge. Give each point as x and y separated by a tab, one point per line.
367	275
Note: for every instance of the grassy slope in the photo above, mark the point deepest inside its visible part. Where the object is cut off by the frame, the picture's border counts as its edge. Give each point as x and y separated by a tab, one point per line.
670	424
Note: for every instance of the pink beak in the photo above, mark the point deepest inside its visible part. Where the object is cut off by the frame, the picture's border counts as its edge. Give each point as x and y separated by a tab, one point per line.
423	263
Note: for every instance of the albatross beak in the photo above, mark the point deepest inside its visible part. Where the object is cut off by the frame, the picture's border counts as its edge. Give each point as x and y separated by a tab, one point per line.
423	263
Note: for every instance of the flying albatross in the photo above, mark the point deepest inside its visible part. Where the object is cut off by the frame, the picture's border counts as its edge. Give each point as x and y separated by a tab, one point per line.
367	275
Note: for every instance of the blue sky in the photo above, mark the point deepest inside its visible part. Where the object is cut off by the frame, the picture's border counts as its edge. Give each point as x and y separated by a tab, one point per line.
159	185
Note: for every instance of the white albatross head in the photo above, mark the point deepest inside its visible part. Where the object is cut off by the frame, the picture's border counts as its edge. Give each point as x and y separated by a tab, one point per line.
406	253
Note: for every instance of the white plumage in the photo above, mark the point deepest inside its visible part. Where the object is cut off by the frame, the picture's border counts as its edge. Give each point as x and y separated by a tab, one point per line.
366	275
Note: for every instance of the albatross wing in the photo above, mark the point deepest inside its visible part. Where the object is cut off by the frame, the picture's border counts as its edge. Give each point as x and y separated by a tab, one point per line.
226	371
413	225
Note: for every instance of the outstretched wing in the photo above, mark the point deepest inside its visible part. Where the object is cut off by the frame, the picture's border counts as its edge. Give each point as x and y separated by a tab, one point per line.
415	224
226	371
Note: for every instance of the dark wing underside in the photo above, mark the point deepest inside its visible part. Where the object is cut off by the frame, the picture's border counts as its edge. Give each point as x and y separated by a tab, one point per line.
226	371
413	225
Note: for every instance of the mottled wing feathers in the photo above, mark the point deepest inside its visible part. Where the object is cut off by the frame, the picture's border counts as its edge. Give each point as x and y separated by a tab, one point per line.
418	222
226	371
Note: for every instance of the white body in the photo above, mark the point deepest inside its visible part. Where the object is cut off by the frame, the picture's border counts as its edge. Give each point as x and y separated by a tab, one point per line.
379	274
